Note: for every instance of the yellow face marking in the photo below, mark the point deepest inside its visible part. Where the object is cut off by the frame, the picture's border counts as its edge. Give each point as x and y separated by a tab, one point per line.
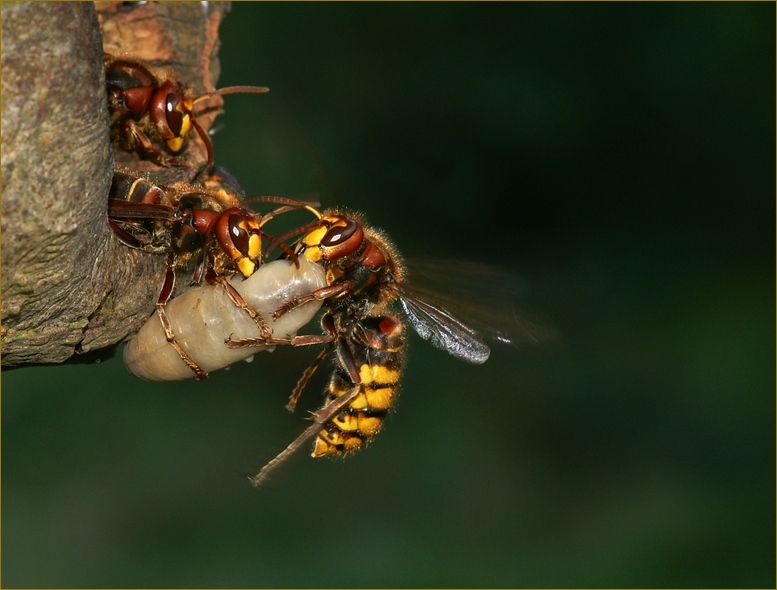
246	266
311	242
186	125
335	221
175	144
255	246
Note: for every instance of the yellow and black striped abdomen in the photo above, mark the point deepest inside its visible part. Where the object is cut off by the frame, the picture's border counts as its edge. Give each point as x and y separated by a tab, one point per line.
377	348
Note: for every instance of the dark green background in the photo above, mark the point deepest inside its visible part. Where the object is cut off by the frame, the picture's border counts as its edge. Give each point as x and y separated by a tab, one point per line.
621	159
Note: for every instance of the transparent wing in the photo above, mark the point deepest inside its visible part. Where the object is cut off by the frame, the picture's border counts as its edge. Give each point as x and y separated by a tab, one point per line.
459	306
444	330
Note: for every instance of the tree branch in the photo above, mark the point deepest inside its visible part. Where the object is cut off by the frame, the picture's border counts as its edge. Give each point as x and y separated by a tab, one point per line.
70	290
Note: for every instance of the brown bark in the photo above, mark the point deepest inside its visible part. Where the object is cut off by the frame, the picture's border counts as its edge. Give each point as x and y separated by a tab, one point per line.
70	290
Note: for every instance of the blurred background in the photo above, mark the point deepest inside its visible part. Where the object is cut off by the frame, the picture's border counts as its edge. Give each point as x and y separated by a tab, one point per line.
619	158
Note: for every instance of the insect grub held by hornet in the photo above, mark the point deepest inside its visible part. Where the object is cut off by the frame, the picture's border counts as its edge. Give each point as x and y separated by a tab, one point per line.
210	230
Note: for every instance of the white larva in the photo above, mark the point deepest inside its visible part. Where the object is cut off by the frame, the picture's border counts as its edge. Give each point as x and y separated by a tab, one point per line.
205	316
